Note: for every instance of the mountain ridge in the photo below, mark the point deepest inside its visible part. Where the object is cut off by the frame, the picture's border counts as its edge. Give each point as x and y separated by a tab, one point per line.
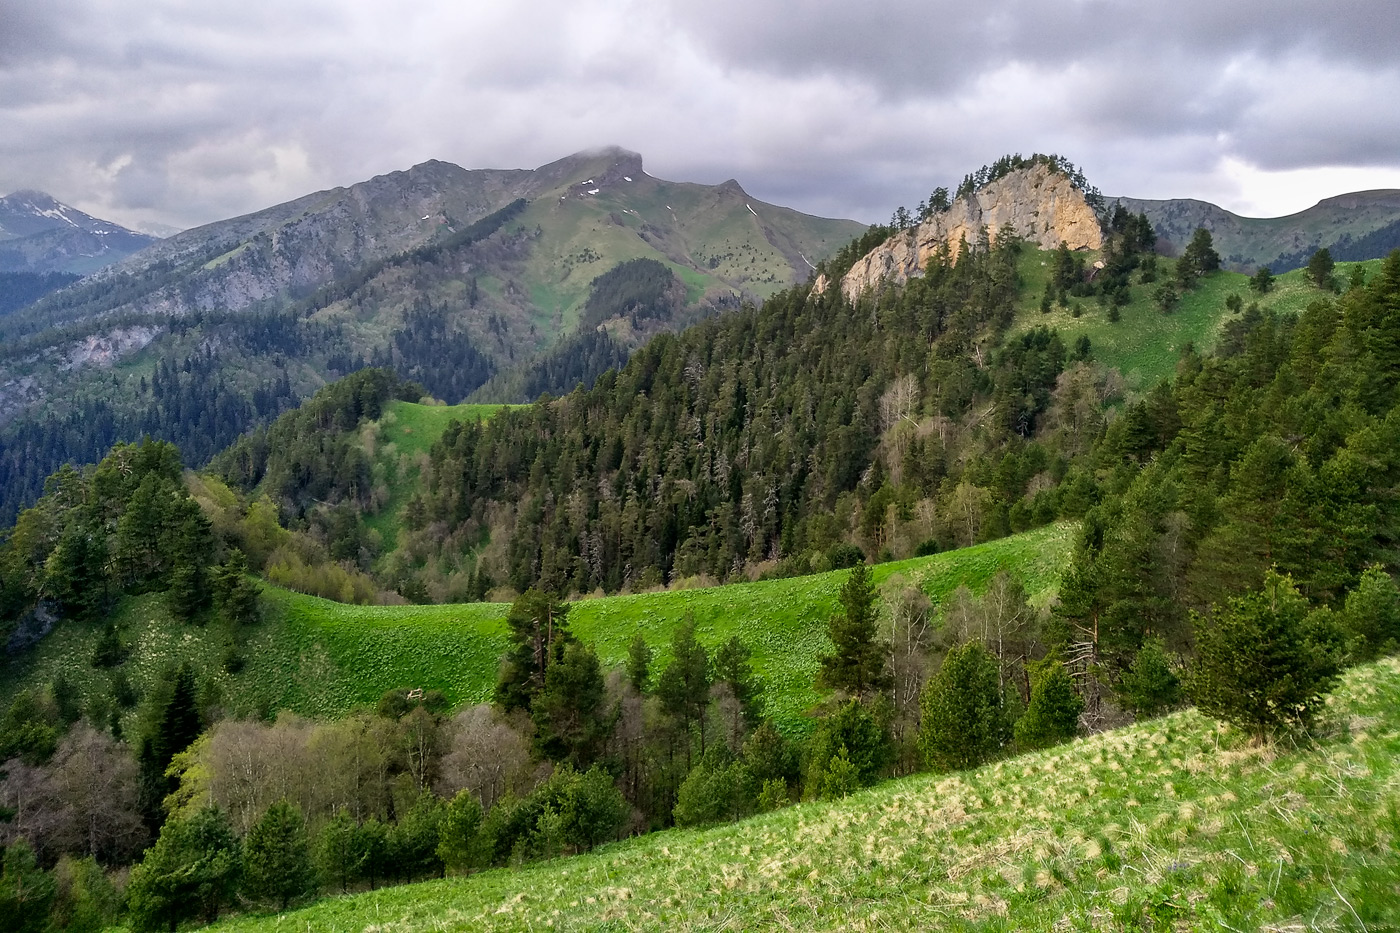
40	234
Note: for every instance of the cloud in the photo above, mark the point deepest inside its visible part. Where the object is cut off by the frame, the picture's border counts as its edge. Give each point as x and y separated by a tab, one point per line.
165	111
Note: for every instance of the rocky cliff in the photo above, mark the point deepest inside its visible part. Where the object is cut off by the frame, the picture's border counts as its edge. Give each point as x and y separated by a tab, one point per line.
1040	204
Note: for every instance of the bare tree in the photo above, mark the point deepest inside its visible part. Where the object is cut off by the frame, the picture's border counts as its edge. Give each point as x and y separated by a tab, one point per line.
911	638
83	802
485	754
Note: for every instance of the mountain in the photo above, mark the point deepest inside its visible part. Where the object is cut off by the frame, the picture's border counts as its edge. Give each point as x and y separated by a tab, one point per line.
504	283
1356	226
40	234
1041	202
586	213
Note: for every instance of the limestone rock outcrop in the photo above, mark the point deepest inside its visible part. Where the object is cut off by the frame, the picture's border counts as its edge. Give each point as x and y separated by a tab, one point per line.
1041	205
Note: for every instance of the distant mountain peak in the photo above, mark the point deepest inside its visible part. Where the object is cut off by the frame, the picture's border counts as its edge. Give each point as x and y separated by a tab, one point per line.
42	234
607	165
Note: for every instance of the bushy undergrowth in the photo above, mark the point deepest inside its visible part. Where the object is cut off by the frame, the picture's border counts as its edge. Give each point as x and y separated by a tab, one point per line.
1179	823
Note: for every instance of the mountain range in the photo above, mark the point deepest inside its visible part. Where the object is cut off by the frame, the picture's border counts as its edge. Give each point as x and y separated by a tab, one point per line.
1353	227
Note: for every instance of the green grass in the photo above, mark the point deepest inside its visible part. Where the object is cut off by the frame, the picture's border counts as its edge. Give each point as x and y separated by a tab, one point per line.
1145	344
321	658
1175	824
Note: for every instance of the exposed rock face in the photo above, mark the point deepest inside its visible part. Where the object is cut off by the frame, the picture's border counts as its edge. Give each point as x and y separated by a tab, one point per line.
1042	206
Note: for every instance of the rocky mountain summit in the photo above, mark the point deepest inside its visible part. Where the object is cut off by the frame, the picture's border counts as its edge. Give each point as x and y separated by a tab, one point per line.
1041	204
39	233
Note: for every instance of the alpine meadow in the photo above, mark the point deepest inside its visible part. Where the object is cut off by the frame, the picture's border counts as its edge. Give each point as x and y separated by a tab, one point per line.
606	553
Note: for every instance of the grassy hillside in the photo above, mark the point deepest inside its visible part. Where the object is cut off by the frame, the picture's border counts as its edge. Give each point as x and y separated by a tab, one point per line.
322	658
1174	824
404	433
1145	344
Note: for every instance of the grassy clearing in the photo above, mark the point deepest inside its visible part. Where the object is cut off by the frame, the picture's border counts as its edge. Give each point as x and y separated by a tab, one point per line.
321	658
1176	824
404	433
1145	344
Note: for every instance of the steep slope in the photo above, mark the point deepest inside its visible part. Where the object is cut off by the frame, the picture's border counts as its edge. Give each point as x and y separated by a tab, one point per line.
1040	203
41	234
1356	226
1178	823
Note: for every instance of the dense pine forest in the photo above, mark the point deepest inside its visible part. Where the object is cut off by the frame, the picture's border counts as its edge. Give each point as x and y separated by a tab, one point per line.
1237	527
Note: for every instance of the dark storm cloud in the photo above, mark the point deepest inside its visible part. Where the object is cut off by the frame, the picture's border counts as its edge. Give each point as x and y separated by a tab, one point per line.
164	110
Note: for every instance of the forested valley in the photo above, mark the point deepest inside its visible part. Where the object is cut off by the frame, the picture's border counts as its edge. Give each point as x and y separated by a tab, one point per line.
1235	546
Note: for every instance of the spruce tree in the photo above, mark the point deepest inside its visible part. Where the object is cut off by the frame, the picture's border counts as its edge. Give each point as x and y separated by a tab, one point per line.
340	851
1254	667
964	715
1052	715
277	857
858	665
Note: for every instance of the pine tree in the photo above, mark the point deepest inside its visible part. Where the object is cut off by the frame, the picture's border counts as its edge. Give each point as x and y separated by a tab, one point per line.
340	850
190	556
684	685
639	657
858	665
733	667
277	857
964	716
236	595
539	630
178	725
568	713
459	844
75	572
1149	687
1320	267
26	890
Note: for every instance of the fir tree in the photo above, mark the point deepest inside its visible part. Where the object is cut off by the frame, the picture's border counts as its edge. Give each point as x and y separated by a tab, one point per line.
459	845
277	857
858	665
964	716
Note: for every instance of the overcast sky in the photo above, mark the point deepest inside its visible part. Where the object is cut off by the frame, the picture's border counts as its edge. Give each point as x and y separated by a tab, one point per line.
187	111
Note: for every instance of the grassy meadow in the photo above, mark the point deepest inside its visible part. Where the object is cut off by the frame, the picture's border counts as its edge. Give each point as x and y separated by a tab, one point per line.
321	658
1145	344
1175	824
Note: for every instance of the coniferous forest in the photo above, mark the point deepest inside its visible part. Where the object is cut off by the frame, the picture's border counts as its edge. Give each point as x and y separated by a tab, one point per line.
1236	531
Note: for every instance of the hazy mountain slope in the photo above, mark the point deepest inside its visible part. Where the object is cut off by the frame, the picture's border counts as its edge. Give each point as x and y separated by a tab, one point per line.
1370	219
40	234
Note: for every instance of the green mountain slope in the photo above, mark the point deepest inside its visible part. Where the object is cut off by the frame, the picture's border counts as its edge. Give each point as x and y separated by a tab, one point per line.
1145	343
1173	824
450	276
321	658
1355	226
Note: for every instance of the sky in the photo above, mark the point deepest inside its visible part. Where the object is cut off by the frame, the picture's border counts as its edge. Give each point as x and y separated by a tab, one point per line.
182	112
